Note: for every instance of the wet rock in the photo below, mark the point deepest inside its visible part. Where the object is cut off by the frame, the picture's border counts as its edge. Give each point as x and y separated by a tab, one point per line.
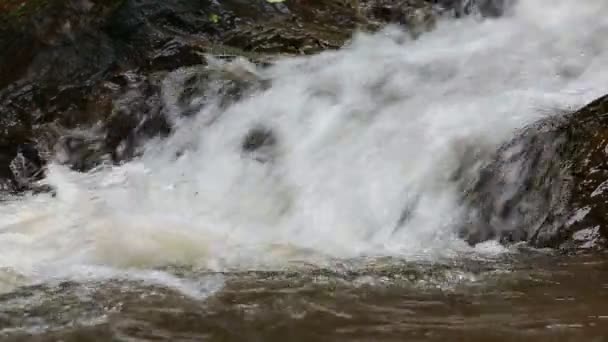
40	39
485	8
221	83
82	151
420	16
257	138
260	144
548	185
81	81
417	16
108	119
263	38
177	53
494	8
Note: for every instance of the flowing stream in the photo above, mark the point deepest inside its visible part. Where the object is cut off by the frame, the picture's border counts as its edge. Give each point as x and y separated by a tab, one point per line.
338	221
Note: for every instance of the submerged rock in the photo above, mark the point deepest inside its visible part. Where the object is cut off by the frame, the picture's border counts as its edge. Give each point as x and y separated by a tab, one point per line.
548	186
260	143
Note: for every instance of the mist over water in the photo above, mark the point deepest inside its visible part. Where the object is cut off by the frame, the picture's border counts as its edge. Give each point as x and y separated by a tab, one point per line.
367	140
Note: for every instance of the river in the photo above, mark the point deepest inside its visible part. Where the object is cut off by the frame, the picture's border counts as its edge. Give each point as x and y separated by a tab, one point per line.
338	221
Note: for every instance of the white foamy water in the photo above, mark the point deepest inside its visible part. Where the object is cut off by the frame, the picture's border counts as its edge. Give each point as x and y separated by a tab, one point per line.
363	134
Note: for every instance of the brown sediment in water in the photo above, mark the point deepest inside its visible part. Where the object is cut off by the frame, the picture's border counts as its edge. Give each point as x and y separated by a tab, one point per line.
542	299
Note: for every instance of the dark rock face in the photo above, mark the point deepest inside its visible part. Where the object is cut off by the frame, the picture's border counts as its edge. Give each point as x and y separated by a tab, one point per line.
80	79
548	185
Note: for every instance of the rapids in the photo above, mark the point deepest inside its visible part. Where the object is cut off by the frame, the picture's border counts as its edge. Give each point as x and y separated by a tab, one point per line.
365	142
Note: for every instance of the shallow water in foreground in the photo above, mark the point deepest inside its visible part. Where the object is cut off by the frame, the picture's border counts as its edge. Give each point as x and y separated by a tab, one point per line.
544	298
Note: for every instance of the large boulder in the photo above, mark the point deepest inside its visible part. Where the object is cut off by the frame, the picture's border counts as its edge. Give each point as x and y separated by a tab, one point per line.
548	185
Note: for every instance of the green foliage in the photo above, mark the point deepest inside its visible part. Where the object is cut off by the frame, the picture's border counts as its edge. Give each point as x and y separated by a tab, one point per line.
214	18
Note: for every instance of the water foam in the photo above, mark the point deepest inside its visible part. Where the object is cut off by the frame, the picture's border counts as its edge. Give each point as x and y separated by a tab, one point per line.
367	140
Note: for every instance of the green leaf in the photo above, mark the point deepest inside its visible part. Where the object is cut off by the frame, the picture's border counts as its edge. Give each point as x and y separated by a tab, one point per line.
214	18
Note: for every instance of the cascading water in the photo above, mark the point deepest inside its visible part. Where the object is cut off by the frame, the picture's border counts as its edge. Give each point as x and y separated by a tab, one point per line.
357	155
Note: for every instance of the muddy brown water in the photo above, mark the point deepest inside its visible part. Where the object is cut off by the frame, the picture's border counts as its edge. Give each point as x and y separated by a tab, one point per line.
525	298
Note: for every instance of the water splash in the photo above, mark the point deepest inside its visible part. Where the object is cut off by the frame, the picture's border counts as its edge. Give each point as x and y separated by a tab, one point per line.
362	151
